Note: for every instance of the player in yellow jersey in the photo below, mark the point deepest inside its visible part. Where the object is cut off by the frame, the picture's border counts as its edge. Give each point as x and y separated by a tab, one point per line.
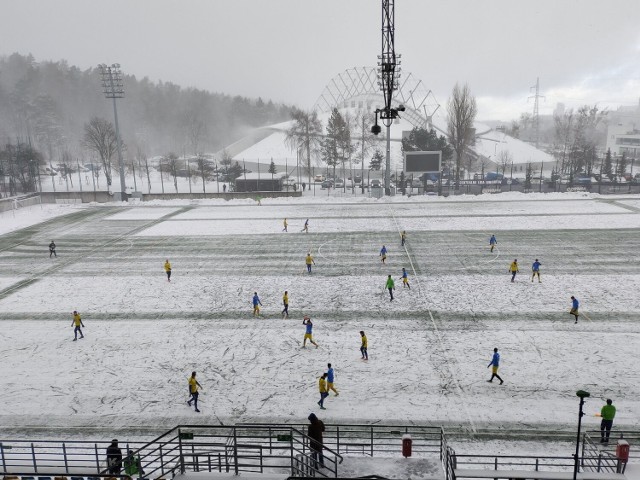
513	269
285	302
322	386
309	261
193	391
363	346
167	269
77	322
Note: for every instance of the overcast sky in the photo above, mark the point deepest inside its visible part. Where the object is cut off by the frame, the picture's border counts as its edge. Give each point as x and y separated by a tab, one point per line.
584	51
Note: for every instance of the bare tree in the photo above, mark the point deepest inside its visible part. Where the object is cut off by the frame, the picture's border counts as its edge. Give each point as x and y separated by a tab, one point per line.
305	135
504	160
144	161
564	129
100	137
462	111
169	163
206	169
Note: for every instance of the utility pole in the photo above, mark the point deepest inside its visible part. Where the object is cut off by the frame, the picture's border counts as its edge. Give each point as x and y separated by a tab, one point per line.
536	113
113	87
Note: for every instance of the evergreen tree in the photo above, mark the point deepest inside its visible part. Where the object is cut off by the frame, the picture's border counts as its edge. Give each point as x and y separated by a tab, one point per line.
376	161
607	169
272	170
528	175
622	166
331	144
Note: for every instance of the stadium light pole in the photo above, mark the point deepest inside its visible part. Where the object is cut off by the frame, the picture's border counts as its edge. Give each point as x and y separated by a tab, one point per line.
582	395
112	87
389	73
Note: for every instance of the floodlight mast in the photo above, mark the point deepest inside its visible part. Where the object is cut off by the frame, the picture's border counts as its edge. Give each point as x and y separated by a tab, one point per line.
389	72
113	87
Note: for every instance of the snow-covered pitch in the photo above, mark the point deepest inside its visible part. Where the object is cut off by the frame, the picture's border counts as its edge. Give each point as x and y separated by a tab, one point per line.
428	349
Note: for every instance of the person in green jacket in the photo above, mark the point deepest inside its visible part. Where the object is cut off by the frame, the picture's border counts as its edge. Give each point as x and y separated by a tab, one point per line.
132	465
391	286
608	412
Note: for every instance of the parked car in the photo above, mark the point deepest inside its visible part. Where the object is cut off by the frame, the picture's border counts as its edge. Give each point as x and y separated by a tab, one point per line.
583	180
493	176
327	184
375	183
510	181
319	178
339	183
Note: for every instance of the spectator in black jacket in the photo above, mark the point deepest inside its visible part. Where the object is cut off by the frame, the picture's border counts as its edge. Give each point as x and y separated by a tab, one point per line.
314	432
114	458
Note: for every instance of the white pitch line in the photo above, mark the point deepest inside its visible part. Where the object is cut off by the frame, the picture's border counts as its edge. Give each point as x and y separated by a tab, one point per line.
437	332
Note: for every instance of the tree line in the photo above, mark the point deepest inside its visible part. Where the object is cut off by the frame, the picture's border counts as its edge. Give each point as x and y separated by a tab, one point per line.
53	108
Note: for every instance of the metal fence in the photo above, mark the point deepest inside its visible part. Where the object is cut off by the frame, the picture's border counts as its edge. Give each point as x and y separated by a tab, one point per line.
371	440
284	450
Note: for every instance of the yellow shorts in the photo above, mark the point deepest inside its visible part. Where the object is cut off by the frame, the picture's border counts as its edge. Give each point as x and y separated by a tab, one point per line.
329	386
494	369
574	311
405	280
308	335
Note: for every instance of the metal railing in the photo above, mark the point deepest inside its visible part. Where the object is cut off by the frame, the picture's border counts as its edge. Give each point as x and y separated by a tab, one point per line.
374	440
243	448
601	457
513	462
234	449
47	457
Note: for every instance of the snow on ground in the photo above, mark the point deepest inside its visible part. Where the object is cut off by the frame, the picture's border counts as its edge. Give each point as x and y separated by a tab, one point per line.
413	224
429	348
142	213
32	215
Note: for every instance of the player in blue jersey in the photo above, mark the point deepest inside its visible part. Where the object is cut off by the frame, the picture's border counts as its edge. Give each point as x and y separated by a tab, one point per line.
493	242
308	334
535	268
405	279
330	379
574	307
494	364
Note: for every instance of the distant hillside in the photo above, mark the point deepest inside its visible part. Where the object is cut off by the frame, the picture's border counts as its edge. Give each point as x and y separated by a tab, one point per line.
49	103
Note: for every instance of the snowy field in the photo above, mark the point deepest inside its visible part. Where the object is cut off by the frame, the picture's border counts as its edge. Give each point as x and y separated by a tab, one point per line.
429	348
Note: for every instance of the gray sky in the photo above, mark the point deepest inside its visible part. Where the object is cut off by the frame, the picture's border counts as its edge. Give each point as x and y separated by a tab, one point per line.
584	51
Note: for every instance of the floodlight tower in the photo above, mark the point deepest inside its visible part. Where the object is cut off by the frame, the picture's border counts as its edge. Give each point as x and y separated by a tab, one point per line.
113	87
389	72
